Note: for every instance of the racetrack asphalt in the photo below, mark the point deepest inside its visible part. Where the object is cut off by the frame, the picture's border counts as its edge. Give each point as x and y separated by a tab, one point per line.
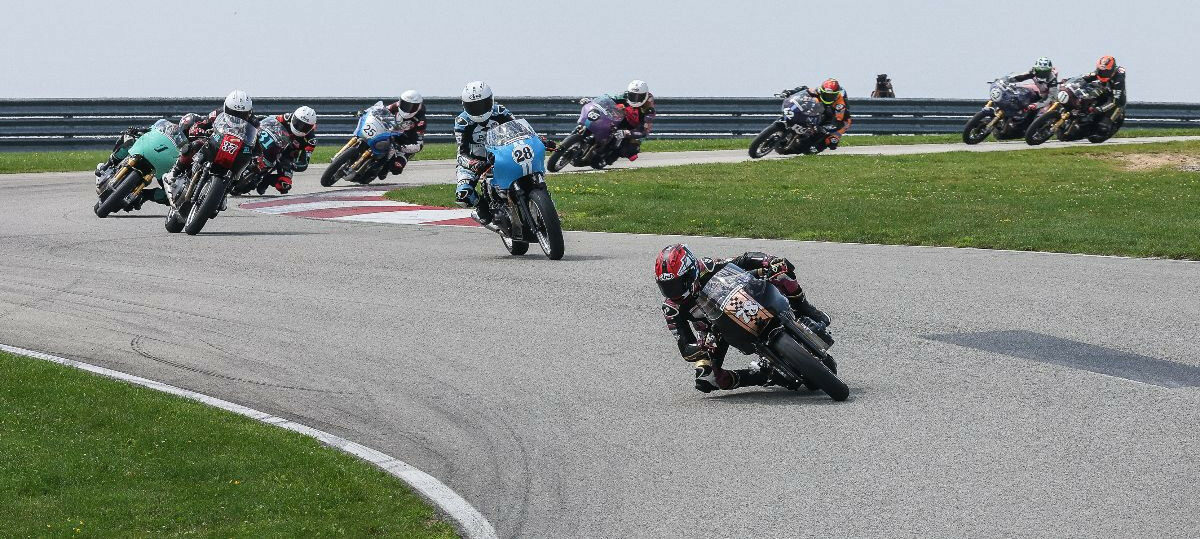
551	396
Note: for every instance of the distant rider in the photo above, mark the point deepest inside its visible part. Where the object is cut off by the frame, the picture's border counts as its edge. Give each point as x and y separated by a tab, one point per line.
1042	73
638	105
835	121
1112	78
237	104
410	129
680	276
302	140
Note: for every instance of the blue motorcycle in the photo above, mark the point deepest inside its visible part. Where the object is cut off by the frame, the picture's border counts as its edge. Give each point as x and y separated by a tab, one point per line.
522	211
367	152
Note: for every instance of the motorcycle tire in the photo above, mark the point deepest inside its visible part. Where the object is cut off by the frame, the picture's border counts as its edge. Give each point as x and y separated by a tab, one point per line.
759	147
332	172
565	153
126	180
514	247
546	225
1097	139
974	132
1040	130
801	361
210	200
174	222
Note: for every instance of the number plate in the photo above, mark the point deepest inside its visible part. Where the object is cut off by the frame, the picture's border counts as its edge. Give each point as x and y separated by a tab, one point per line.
746	312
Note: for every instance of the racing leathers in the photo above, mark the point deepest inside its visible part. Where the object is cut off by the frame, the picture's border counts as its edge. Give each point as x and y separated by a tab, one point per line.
835	120
277	170
197	128
409	139
119	153
1115	96
1045	81
707	351
473	157
634	127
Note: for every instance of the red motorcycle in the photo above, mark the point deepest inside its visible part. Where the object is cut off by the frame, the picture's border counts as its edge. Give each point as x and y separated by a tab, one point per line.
226	152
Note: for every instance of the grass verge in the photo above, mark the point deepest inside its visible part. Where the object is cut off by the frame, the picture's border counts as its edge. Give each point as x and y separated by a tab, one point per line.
70	161
84	454
1078	200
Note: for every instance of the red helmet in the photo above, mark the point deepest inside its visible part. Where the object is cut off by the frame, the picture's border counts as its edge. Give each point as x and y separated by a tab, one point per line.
677	271
830	89
1105	68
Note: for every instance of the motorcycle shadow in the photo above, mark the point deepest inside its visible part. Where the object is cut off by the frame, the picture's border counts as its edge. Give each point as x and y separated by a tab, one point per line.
236	233
779	396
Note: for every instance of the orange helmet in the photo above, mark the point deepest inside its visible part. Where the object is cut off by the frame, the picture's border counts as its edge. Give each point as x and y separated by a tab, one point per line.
829	91
1105	67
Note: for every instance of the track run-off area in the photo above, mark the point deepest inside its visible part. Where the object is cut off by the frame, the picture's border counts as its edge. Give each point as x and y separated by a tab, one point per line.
992	392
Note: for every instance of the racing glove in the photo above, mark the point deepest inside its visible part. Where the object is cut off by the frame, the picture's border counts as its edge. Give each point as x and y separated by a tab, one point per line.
585	100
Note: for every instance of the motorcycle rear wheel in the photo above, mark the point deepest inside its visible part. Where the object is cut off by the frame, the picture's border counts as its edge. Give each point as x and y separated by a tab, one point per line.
801	361
976	130
126	180
1116	126
1041	129
565	153
765	142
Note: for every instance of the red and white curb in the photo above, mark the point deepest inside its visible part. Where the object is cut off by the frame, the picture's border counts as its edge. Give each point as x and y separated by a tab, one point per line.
365	205
467	519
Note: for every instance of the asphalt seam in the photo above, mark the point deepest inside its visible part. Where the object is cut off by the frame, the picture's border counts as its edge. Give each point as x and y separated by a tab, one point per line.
468	520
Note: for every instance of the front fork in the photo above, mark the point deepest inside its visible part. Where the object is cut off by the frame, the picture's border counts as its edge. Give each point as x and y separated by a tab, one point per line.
999	115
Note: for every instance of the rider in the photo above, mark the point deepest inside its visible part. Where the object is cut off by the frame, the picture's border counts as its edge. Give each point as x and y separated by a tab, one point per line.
410	129
1043	74
480	113
120	151
237	104
1112	78
638	105
681	275
302	132
836	119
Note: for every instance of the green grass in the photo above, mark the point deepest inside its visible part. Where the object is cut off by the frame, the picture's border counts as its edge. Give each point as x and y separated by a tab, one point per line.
72	161
1078	200
82	454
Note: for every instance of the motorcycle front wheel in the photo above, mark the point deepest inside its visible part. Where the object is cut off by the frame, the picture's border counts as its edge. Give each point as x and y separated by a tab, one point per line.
210	199
1041	129
174	222
546	224
565	153
801	361
766	141
125	181
333	173
976	130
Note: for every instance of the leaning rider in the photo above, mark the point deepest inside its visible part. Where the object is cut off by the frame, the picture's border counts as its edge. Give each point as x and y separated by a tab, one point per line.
1112	78
637	103
836	119
302	140
680	276
410	129
237	104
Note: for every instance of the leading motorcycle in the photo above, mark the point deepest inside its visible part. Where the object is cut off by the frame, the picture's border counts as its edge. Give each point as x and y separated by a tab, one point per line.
594	137
1074	115
798	129
150	156
227	150
754	317
367	152
515	184
1013	106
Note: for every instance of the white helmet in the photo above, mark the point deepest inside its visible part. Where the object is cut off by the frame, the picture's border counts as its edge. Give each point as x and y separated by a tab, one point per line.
303	121
237	103
410	104
637	93
477	101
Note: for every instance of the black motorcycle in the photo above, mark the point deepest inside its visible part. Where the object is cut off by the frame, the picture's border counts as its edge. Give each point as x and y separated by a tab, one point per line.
272	142
798	129
754	317
1008	114
227	150
1074	115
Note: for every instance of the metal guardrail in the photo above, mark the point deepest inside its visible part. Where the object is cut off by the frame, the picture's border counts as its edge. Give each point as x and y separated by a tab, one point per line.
48	124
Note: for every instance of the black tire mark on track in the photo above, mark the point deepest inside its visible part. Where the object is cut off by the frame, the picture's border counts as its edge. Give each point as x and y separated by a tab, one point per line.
136	345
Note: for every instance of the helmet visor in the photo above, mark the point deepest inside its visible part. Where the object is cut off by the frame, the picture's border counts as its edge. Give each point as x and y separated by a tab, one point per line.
409	108
674	288
301	127
827	96
635	98
478	108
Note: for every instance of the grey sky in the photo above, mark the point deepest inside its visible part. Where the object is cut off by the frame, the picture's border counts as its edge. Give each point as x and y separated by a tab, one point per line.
71	48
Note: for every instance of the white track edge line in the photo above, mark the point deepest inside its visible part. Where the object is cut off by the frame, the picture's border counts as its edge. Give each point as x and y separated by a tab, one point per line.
469	521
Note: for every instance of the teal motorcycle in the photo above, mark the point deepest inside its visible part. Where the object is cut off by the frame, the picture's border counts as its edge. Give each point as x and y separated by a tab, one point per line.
146	160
